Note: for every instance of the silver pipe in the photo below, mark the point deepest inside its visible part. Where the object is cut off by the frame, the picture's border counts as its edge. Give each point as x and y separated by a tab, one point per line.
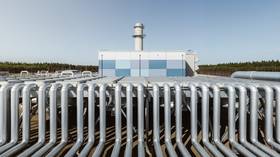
216	122
129	121
194	140
254	122
243	123
41	122
91	120
277	88
258	75
3	113
205	122
102	122
178	108
140	109
231	122
156	136
80	120
167	122
14	117
118	121
53	120
25	122
64	120
269	118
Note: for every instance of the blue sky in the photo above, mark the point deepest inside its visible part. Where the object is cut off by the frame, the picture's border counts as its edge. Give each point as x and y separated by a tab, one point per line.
72	31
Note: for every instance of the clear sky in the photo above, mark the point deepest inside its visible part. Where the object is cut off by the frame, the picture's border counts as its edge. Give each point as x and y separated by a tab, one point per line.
72	31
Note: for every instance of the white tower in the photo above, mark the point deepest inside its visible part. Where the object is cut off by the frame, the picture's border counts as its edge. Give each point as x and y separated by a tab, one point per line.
138	36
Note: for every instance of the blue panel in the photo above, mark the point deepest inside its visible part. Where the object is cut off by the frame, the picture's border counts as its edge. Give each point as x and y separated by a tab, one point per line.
157	64
122	64
157	72
122	72
175	64
107	64
175	72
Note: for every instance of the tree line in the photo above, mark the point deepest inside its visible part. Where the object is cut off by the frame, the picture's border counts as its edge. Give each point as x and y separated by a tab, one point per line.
226	69
16	67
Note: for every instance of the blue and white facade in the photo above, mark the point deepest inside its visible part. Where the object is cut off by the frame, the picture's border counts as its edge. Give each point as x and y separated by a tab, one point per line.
146	64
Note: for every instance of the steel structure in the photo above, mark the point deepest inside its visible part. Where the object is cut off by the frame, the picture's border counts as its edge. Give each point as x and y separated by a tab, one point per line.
139	116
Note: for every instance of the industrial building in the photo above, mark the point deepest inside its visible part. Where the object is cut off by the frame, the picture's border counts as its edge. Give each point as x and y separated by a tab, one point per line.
147	64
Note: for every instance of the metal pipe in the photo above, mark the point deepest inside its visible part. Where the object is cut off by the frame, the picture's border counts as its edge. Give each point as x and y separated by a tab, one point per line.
195	143
3	113
216	122
91	120
156	136
41	122
64	120
118	121
140	109
80	120
269	118
167	122
25	121
277	89
254	122
129	121
231	122
14	117
257	75
53	120
178	111
205	122
102	122
243	123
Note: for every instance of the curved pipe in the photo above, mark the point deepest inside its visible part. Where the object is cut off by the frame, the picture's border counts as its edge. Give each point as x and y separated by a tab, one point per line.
167	122
3	113
64	120
25	121
14	117
178	108
195	143
141	149
269	118
216	122
243	123
231	122
257	75
118	119
102	122
129	121
80	120
53	121
254	123
91	120
277	88
41	122
205	122
156	134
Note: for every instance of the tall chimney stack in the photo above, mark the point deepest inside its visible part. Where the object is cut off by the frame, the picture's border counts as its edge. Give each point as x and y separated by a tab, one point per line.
138	36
